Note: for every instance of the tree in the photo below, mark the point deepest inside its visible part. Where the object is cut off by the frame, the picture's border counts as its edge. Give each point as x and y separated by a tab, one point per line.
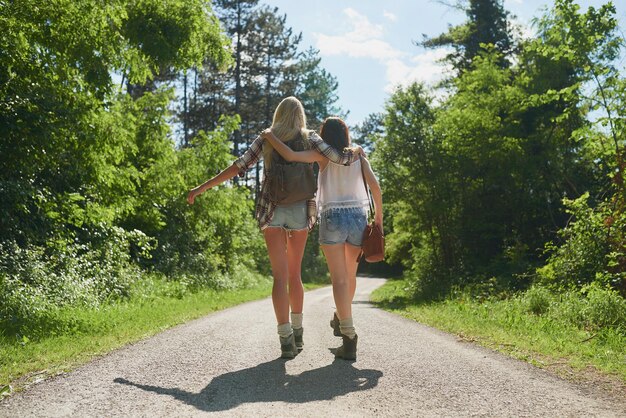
316	88
237	16
589	43
487	24
66	145
489	168
369	131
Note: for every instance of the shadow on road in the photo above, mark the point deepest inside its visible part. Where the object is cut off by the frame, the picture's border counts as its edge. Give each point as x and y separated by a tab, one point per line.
269	382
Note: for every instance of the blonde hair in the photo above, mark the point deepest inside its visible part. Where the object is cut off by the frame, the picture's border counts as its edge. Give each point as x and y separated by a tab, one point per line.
289	121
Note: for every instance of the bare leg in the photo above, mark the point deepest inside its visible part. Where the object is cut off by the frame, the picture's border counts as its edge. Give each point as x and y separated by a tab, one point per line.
352	254
276	241
295	252
336	260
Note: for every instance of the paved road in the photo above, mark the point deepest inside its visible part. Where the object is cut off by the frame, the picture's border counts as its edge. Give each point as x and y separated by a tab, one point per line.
227	364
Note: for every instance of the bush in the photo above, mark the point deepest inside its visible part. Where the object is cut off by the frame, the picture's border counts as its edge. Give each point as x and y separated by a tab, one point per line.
591	308
605	309
537	300
591	250
570	308
36	281
206	240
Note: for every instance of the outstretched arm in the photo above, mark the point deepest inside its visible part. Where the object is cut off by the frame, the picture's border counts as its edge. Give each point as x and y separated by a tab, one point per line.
288	154
239	166
226	174
377	193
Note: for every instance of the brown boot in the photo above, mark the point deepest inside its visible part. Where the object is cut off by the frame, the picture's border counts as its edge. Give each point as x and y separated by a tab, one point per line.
288	347
297	335
348	350
334	324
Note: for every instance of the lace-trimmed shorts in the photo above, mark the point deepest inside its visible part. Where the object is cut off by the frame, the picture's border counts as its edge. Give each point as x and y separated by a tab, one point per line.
343	225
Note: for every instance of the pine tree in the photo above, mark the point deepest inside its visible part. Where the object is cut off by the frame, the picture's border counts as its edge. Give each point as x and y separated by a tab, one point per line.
487	23
236	16
316	88
275	47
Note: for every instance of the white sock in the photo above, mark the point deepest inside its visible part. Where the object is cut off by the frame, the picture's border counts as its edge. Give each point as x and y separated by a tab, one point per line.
285	330
346	326
296	320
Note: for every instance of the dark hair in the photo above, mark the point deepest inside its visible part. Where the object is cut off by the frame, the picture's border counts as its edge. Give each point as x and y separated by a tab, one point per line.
335	133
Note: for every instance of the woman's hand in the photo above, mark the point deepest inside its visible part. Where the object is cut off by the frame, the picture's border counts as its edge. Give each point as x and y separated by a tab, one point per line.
378	220
358	149
266	133
191	196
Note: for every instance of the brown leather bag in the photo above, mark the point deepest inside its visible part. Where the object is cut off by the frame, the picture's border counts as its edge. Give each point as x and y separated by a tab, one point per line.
373	248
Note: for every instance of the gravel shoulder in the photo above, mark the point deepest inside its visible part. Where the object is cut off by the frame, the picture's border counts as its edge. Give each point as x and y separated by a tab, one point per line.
227	364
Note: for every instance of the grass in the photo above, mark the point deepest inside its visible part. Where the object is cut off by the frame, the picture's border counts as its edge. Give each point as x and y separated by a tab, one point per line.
94	332
544	339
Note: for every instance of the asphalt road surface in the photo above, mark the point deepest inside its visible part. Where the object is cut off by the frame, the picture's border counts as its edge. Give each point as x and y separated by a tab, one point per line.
227	363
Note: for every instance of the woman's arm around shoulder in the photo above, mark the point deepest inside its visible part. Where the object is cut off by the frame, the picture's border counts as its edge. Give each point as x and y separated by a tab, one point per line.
287	153
347	157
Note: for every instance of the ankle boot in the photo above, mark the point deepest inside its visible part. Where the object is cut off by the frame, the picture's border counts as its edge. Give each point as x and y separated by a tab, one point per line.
348	350
288	347
298	334
334	324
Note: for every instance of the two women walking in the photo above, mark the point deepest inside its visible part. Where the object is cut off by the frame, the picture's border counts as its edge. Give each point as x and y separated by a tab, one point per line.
287	208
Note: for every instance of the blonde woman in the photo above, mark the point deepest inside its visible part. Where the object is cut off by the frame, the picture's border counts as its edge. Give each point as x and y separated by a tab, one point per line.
285	227
343	202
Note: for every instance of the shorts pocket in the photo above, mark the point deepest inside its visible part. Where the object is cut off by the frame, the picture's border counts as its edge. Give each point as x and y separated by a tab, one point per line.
360	222
332	222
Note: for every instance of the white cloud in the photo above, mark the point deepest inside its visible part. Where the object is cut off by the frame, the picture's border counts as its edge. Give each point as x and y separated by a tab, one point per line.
365	39
363	28
347	45
390	16
423	68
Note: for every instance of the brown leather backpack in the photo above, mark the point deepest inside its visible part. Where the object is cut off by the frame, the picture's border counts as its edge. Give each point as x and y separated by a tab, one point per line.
290	182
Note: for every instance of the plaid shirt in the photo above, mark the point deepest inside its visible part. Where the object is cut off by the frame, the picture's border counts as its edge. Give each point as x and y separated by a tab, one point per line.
265	207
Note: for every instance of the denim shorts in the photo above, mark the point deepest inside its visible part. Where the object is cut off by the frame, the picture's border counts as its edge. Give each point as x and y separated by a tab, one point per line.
341	225
293	216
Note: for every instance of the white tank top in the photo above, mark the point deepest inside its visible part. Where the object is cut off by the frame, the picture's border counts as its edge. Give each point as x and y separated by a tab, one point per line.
341	186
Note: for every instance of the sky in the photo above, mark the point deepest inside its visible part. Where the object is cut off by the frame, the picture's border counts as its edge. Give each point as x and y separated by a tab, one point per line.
369	45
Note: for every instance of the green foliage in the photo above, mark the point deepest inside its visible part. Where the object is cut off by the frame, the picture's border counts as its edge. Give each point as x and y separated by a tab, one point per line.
174	33
582	328
592	308
583	257
218	231
314	268
81	333
605	309
92	187
474	186
487	26
316	89
64	133
36	280
537	300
